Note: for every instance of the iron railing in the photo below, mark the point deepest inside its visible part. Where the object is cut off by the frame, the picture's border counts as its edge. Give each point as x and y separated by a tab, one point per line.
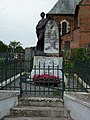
40	82
78	76
17	75
9	72
84	71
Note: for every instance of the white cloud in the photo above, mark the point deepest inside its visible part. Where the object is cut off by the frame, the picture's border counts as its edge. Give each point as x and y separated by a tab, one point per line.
18	19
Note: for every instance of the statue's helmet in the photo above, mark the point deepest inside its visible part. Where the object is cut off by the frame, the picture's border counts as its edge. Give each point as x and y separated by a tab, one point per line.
42	14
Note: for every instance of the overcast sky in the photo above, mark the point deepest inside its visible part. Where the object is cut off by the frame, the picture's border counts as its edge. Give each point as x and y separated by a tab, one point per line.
18	19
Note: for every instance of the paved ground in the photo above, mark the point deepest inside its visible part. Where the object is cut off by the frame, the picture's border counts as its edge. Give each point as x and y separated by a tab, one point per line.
7	94
81	96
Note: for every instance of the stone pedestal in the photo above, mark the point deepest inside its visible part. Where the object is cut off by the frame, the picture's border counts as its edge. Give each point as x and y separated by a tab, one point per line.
48	61
47	65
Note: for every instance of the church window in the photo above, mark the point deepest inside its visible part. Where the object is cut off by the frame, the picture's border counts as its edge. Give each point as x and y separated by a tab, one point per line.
67	45
64	27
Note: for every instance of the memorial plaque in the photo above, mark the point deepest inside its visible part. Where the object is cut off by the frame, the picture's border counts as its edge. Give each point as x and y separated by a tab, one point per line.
48	61
51	39
47	65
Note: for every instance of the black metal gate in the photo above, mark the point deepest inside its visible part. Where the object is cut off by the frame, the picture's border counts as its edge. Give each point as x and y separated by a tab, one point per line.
39	83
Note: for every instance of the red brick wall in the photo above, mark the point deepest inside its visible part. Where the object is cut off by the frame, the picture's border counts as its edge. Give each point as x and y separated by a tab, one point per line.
66	37
69	18
85	39
84	17
73	37
81	36
85	2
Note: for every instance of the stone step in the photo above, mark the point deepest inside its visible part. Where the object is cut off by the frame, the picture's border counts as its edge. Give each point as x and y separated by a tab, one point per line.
36	118
34	101
30	111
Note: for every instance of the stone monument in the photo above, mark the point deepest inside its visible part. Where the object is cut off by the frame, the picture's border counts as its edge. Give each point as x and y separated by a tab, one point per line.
51	40
49	55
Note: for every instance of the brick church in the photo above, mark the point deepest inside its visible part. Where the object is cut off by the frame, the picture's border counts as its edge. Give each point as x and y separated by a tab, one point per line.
73	19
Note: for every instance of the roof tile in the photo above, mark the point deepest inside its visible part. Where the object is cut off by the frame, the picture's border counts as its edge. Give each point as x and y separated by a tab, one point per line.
64	7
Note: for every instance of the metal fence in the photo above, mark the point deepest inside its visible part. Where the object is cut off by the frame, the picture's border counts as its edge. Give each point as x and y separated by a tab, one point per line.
11	56
38	81
23	76
9	73
78	76
3	56
84	71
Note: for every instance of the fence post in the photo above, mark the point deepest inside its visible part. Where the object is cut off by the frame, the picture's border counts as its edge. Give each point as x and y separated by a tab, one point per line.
20	78
63	84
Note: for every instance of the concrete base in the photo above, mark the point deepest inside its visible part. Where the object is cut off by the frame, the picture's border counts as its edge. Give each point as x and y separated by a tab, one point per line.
36	111
41	102
36	118
48	65
33	108
8	99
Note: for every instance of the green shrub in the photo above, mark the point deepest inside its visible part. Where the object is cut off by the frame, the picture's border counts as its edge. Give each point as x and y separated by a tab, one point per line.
76	54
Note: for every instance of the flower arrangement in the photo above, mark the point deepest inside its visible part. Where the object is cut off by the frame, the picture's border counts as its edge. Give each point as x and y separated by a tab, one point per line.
46	79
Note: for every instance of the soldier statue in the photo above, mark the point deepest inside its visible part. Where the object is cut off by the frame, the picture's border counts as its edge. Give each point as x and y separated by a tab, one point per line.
40	29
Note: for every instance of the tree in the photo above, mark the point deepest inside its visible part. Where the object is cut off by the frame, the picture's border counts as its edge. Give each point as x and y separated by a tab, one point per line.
19	49
14	44
3	47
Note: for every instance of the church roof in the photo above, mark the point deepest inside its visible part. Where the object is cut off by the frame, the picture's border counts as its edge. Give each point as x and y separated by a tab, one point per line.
64	7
